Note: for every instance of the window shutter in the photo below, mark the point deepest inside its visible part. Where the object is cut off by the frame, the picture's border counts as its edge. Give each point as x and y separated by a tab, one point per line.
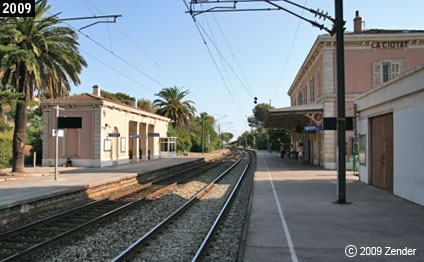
305	91
395	70
319	83
311	89
376	73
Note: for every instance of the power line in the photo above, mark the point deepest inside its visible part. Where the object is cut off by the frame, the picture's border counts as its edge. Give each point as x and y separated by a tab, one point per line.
117	56
232	53
88	7
225	60
288	56
214	62
117	71
5	20
145	53
222	60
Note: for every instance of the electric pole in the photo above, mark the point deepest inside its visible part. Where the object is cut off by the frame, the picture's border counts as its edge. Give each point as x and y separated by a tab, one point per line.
341	117
203	132
337	29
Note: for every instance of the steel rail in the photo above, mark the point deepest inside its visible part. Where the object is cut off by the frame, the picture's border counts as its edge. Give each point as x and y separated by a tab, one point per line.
130	250
49	241
65	213
221	213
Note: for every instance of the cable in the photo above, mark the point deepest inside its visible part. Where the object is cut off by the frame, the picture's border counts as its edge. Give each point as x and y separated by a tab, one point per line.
214	62
288	57
117	56
232	53
117	71
223	57
144	52
88	7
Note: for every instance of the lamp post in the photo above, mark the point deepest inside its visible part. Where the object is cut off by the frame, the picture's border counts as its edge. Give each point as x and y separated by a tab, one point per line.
203	132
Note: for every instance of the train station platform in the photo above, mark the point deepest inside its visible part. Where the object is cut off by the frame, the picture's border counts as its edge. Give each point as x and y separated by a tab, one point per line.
38	183
293	218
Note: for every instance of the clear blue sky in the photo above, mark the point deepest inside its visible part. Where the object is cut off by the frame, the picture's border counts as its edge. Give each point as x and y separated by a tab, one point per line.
264	49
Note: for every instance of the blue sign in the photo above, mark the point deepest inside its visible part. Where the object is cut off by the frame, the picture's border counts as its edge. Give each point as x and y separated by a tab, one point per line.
134	136
313	128
153	134
114	134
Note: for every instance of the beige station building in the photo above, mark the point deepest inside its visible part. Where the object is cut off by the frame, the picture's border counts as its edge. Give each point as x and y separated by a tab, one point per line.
111	133
373	57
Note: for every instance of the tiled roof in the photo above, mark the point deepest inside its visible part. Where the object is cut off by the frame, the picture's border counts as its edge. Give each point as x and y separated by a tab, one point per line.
81	97
387	31
92	98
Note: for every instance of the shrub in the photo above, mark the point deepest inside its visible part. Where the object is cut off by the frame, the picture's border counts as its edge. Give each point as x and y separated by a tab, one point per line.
5	152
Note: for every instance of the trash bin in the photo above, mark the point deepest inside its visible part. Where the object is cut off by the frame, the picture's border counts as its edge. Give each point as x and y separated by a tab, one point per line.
354	163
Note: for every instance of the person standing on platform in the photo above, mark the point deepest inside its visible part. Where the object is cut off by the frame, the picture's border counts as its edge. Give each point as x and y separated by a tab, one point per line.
300	154
282	152
292	152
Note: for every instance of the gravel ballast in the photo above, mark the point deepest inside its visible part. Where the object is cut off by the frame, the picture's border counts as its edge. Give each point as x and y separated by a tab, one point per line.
104	241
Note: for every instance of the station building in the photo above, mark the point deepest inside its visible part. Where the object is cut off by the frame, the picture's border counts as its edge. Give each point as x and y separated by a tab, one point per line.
111	133
372	58
391	120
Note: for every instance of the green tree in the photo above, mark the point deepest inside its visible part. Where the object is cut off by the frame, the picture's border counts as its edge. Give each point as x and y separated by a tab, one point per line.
210	136
6	98
35	132
226	137
259	114
36	54
171	104
117	97
183	138
147	105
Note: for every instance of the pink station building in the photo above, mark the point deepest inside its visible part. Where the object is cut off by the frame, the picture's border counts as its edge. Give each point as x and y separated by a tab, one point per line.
373	57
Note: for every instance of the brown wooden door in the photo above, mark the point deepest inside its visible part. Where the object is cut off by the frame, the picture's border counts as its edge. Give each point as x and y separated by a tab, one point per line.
382	151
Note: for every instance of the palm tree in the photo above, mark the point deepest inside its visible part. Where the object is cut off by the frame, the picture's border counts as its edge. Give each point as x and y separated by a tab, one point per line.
36	55
171	105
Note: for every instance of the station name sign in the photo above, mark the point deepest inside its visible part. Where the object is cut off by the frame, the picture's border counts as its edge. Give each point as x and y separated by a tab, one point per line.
69	122
390	44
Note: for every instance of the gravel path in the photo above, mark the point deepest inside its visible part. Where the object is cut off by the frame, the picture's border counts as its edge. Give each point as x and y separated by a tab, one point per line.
106	240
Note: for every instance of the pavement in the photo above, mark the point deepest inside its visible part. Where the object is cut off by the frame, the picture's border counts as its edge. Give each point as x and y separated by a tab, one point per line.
38	182
293	217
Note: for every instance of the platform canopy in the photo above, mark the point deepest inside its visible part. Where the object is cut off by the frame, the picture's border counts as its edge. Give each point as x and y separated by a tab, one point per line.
295	116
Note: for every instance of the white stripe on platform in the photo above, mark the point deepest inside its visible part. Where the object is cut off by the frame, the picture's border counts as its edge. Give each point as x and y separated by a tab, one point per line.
283	220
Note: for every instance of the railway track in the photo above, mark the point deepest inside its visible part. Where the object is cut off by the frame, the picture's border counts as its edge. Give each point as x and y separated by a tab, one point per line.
22	242
193	224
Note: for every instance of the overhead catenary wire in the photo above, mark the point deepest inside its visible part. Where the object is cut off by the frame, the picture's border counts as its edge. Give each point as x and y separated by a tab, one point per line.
117	56
145	53
117	71
142	50
225	60
214	61
289	54
222	57
232	53
88	7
